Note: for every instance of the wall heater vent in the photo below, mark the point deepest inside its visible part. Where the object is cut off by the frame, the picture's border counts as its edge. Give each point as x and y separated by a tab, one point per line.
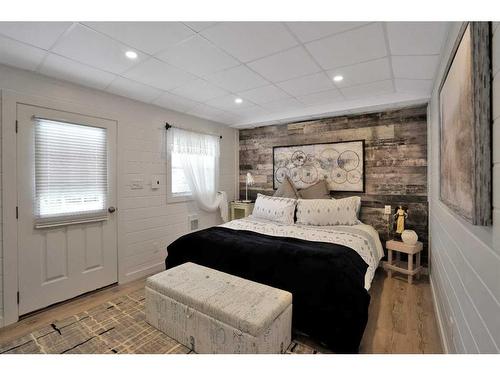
193	222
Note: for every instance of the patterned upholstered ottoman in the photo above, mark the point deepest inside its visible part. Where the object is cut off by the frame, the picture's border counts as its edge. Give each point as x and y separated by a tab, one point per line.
214	312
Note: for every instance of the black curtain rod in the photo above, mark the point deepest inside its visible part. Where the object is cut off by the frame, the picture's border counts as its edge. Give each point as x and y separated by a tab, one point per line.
168	126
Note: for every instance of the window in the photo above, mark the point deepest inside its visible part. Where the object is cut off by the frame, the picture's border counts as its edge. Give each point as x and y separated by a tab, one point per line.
71	180
193	164
179	183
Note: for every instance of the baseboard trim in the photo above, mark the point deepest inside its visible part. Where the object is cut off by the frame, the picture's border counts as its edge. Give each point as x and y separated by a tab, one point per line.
439	318
142	272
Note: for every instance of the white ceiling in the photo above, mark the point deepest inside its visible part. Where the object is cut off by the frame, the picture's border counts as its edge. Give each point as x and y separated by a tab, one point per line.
282	70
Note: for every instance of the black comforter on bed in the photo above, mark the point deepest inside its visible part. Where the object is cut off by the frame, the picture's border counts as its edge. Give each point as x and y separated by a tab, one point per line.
326	280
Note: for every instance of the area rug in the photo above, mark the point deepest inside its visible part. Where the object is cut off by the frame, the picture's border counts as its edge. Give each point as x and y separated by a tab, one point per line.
117	326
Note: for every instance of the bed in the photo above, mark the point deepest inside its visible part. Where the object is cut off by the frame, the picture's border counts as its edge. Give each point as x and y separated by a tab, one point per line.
328	269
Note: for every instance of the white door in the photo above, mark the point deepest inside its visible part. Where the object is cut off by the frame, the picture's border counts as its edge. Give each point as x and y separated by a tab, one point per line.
66	201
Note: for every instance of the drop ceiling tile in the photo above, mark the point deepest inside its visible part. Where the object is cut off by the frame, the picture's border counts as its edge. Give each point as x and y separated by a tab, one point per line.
149	37
198	56
135	90
159	74
174	102
252	111
39	34
227	103
307	84
200	91
416	38
250	40
351	47
367	90
199	26
419	86
284	104
371	71
285	65
69	70
415	67
225	118
237	79
206	111
264	94
324	97
99	50
308	31
20	55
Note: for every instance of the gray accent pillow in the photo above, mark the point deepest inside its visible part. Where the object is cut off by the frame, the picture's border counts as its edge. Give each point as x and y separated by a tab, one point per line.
317	191
287	190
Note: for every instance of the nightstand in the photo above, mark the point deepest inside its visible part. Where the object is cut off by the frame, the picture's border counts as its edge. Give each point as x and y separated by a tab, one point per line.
239	210
403	267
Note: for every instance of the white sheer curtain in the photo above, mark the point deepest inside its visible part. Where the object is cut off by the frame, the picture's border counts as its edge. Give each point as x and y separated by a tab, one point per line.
199	154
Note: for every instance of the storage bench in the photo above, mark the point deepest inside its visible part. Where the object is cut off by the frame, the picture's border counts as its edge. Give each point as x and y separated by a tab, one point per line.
213	312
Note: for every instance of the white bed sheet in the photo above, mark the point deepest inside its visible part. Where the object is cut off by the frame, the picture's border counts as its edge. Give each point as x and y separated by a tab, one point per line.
362	238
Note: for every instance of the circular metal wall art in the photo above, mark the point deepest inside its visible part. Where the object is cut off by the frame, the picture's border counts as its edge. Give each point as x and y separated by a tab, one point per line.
295	174
281	173
330	157
339	176
353	177
298	158
348	160
309	174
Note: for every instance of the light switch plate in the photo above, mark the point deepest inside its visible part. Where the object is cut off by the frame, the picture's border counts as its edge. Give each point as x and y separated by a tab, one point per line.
387	210
155	182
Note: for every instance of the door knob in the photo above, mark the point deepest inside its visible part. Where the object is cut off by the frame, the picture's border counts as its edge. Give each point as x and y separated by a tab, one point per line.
111	209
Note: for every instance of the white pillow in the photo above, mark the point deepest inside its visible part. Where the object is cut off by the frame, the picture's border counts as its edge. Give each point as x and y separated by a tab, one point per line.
358	203
277	209
328	211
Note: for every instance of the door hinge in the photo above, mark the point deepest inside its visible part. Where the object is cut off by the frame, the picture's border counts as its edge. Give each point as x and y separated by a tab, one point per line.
18	298
17	126
17	212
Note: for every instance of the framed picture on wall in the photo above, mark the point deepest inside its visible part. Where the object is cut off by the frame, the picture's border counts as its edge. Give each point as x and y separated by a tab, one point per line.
465	126
341	164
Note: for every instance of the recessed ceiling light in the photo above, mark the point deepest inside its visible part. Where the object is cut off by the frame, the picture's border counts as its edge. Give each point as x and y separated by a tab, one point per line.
131	55
238	100
338	78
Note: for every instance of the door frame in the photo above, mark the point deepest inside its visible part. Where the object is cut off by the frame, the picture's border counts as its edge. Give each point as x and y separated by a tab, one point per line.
10	101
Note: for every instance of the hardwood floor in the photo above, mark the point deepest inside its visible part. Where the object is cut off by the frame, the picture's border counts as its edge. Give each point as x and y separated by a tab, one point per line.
401	316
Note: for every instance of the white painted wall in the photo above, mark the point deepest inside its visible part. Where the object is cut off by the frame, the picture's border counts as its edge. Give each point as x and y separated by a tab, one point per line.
1	226
144	217
465	259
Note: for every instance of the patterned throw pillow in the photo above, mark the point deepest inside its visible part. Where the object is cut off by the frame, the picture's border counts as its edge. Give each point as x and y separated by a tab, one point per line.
277	209
317	191
287	189
358	203
328	211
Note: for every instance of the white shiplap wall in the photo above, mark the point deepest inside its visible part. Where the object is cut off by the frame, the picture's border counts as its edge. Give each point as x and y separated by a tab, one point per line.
465	259
146	223
1	226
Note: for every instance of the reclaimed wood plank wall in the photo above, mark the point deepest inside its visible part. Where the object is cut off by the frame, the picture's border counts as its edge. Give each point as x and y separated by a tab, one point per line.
395	161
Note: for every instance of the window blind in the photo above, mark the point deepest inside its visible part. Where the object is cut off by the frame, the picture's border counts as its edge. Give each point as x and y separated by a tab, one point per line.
71	177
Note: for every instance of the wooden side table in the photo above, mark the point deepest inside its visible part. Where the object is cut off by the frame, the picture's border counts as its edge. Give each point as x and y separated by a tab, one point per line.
399	266
239	210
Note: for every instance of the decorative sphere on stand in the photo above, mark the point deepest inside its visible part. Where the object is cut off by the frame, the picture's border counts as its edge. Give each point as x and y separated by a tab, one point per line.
409	237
